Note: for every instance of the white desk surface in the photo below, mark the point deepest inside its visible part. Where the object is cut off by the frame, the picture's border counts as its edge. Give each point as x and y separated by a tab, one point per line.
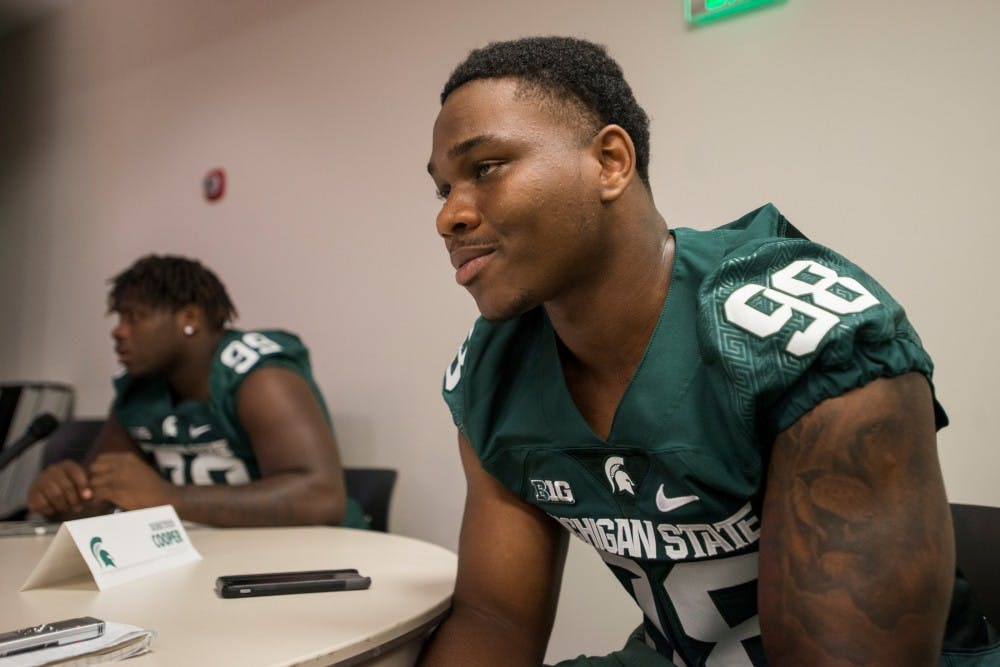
411	588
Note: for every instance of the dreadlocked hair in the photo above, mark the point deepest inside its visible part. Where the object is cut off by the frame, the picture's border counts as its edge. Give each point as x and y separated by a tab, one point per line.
566	69
169	281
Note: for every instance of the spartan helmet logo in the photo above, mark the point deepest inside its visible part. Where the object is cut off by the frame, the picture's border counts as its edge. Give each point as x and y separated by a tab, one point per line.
170	426
618	477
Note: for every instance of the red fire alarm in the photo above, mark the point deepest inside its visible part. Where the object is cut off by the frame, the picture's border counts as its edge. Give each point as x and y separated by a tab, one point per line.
214	184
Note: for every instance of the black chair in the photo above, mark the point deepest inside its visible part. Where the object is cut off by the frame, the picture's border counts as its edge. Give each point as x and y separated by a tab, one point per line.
977	544
372	488
72	440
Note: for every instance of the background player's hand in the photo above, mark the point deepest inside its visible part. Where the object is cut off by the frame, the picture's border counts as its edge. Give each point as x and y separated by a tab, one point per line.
127	481
61	488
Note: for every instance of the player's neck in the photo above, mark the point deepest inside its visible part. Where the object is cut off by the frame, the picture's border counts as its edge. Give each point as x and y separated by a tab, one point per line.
189	380
605	332
602	349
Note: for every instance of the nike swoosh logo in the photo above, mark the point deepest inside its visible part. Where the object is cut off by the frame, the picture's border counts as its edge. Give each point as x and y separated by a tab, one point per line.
195	431
665	504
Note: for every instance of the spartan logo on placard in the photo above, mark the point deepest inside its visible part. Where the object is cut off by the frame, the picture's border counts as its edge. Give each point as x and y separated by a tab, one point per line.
618	477
101	555
552	491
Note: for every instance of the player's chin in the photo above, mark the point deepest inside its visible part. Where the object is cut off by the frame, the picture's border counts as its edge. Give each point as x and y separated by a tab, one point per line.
497	307
136	368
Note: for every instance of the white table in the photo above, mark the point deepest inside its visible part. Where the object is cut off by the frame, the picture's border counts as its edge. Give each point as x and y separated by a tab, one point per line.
412	582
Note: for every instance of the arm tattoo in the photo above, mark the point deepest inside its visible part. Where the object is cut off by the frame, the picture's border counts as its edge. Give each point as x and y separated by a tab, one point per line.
857	562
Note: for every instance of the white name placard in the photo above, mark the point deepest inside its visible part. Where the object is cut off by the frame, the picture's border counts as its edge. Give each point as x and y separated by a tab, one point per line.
115	548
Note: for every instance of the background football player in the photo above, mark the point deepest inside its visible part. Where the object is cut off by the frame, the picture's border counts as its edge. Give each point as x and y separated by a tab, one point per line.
227	426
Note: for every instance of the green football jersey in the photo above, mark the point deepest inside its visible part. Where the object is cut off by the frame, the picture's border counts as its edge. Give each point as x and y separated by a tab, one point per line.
759	326
203	442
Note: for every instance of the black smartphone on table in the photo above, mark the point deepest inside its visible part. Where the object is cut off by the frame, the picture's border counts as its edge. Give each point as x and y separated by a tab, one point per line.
284	583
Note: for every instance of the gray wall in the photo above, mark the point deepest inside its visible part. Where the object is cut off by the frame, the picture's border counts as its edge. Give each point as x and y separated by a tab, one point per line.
871	125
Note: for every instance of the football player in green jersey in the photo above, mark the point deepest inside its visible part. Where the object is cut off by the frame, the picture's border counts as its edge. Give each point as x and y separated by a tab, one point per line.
227	426
740	421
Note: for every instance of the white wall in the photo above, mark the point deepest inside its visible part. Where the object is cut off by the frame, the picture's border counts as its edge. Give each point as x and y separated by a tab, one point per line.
871	125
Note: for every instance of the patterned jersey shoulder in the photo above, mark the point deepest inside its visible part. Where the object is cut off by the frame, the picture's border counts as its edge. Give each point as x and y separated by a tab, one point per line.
243	351
793	323
239	354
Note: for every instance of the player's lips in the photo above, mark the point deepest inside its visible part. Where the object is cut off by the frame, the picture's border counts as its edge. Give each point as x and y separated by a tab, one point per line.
469	261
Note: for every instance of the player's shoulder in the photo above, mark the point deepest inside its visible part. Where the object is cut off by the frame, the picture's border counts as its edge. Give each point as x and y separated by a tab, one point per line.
774	288
121	381
239	352
137	396
792	322
762	223
489	356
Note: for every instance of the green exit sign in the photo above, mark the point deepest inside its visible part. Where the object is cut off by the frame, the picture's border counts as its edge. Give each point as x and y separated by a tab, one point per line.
700	11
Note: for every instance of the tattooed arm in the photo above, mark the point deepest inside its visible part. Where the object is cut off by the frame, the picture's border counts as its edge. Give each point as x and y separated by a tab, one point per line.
857	552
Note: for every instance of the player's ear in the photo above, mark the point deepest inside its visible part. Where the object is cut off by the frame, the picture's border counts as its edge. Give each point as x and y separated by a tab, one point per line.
616	153
190	319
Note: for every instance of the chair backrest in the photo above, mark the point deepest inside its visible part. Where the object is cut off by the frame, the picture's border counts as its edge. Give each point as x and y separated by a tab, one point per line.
977	543
372	488
20	403
72	440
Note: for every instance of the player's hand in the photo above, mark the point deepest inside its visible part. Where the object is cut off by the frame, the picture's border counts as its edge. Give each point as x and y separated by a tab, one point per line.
125	480
61	488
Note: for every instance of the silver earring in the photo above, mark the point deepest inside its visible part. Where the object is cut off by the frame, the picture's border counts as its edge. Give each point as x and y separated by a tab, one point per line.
188	330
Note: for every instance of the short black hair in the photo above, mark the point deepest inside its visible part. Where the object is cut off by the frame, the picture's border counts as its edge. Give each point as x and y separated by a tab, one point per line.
170	281
569	69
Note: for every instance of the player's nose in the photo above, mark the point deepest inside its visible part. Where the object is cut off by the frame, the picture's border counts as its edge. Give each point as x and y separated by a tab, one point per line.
118	332
458	215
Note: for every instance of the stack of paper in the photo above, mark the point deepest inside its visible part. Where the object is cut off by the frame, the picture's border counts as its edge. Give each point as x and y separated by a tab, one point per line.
118	642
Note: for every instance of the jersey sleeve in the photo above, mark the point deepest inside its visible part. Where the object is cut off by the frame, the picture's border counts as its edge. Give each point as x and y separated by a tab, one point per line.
458	383
243	352
792	323
488	374
251	350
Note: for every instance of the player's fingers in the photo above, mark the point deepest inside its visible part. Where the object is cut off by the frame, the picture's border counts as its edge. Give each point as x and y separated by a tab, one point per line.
57	490
104	464
98	465
63	485
78	476
98	480
38	503
102	484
